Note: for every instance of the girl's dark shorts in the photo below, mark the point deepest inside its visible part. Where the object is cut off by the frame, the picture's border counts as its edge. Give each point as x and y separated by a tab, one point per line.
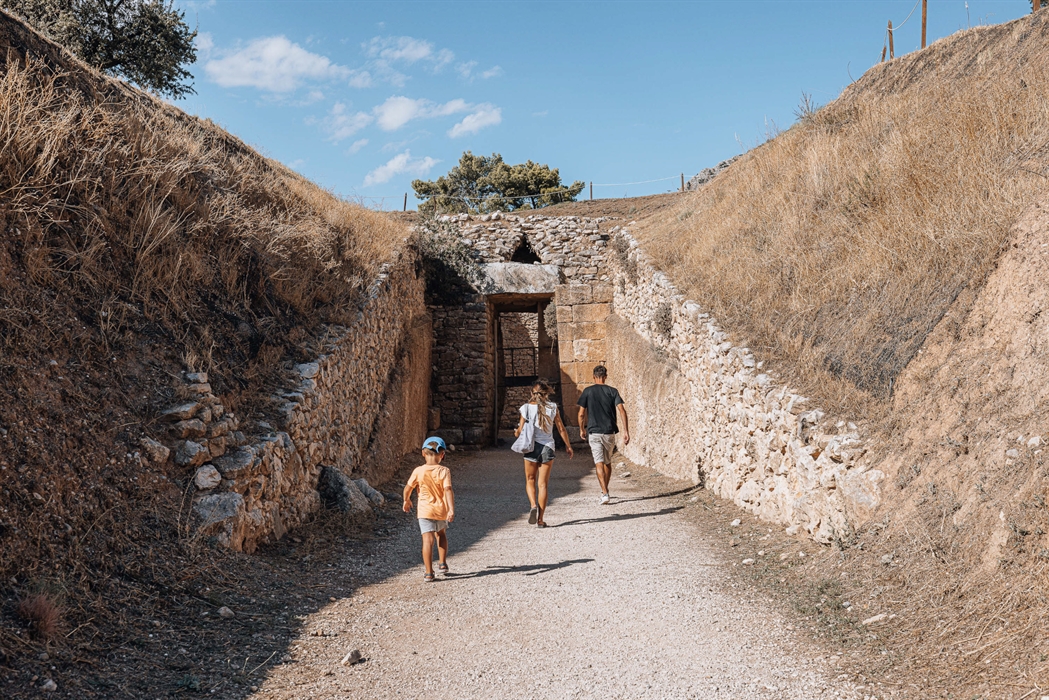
541	454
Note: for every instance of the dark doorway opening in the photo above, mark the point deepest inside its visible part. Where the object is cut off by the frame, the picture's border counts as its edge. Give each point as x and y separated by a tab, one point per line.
525	253
526	350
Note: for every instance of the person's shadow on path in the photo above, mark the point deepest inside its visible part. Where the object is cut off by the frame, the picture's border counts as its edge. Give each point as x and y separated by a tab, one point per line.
679	492
527	570
614	517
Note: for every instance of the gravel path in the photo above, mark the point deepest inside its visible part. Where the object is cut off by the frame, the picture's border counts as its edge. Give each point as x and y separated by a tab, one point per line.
619	601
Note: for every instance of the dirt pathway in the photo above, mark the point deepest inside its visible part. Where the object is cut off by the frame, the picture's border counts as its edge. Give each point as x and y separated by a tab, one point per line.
619	601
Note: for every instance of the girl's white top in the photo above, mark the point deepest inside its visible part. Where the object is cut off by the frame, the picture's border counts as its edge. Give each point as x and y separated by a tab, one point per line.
530	413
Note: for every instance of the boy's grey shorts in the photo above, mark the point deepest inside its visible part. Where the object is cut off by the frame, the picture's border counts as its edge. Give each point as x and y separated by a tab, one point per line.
603	447
427	525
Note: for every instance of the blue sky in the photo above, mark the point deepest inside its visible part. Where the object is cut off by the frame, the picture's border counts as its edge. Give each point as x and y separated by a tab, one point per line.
363	97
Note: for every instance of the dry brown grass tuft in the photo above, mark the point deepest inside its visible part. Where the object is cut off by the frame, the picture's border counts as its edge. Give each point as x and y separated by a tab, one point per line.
835	248
42	615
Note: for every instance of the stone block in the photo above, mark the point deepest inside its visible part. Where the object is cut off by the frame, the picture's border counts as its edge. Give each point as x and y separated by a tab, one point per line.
566	330
192	428
590	350
589	313
374	496
473	436
602	293
592	331
207	477
572	294
578	372
182	412
157	453
190	454
217	508
433	419
236	464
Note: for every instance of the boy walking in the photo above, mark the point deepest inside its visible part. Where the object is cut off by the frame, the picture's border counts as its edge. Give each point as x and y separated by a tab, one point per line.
599	407
436	504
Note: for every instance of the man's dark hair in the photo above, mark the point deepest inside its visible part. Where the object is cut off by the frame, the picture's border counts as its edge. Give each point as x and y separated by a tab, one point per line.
600	372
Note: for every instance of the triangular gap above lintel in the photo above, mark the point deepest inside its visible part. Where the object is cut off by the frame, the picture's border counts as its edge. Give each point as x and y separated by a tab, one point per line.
525	253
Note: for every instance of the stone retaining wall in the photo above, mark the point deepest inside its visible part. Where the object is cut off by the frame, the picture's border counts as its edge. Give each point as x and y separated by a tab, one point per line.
704	409
358	407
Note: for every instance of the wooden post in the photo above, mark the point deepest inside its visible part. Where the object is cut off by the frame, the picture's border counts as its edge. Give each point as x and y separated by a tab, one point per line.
883	49
682	182
1036	5
591	190
405	201
892	53
925	17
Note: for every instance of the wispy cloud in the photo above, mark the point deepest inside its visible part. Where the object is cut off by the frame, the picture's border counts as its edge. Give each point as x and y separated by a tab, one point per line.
388	55
483	116
357	146
493	72
204	43
342	123
397	111
467	71
274	64
400	164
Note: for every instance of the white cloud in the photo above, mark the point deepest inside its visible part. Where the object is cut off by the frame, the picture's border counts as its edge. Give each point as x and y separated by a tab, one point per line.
398	48
465	70
399	164
397	111
272	63
485	115
357	146
204	43
341	123
360	79
493	72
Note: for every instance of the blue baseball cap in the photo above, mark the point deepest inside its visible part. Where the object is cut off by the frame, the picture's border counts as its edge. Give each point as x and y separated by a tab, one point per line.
434	443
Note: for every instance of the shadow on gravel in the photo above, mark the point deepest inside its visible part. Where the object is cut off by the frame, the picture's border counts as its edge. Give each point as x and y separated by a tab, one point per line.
626	516
679	492
529	570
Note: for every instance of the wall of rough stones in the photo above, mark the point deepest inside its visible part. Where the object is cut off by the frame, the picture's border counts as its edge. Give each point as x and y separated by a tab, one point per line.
704	409
358	407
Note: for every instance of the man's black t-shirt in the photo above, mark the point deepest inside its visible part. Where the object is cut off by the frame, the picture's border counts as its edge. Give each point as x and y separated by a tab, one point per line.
600	401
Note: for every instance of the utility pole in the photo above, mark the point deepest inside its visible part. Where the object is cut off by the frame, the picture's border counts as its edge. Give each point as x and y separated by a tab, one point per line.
892	53
682	182
591	190
1036	5
925	17
405	201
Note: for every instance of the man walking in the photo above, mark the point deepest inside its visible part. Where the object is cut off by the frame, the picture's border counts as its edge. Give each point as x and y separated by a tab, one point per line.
599	407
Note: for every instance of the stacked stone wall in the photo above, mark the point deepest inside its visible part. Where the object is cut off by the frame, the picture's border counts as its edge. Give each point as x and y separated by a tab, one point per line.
463	374
704	409
358	407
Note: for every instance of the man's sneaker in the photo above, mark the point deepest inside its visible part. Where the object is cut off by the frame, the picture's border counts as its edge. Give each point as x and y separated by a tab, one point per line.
605	499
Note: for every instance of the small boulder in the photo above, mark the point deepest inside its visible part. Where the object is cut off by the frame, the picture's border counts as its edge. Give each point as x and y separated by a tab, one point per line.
182	412
207	477
339	491
157	453
226	612
192	428
196	377
218	507
48	686
374	496
351	658
191	454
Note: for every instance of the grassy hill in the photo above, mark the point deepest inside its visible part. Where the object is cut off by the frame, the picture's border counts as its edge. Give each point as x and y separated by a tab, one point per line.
886	256
136	242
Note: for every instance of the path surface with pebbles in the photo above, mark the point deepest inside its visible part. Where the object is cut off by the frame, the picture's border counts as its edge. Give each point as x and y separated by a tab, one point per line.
618	601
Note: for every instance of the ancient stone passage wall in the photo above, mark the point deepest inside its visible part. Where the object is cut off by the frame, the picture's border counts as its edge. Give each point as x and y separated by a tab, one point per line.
582	314
704	409
465	349
358	407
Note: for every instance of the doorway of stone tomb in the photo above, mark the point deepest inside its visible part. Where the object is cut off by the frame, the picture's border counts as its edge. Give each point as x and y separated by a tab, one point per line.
526	350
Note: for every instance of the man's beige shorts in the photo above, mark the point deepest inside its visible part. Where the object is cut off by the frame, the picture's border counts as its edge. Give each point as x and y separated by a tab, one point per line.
603	446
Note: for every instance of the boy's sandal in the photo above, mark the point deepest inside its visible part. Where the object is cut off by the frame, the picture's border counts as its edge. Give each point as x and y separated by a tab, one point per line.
429	578
443	568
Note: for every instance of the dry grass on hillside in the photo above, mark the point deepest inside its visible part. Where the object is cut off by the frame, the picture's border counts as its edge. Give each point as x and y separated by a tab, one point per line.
136	241
835	248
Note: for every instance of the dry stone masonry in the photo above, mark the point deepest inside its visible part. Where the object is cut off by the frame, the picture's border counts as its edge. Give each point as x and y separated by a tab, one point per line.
705	409
701	408
352	412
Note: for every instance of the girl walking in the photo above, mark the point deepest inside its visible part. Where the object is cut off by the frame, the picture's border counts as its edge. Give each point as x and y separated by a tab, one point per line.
542	413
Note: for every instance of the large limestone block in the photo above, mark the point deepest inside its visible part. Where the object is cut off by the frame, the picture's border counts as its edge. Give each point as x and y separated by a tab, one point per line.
589	313
586	350
591	331
577	372
572	294
602	293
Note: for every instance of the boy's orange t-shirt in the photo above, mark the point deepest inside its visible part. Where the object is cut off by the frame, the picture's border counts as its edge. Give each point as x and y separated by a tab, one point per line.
433	481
